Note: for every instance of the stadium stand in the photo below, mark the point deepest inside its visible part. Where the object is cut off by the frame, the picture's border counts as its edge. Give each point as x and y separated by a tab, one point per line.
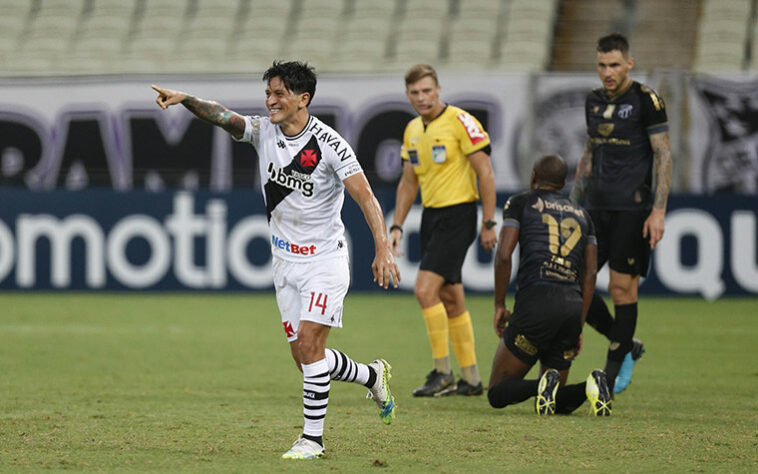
420	28
362	43
528	37
475	29
314	35
361	36
50	37
209	31
662	33
260	33
722	38
47	33
101	35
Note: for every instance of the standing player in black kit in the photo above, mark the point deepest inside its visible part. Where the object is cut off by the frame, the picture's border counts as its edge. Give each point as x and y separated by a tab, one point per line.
626	153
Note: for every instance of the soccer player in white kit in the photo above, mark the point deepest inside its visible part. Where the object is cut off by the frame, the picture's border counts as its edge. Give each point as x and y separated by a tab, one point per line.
304	167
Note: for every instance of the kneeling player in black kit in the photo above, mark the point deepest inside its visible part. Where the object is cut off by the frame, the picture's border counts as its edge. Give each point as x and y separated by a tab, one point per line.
556	280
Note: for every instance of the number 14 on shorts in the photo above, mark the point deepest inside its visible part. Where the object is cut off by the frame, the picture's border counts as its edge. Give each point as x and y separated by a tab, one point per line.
319	301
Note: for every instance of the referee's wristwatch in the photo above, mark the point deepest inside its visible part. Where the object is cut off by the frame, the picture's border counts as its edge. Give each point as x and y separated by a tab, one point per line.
489	224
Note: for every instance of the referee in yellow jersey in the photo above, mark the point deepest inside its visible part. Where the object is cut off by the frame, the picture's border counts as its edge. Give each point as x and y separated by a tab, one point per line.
445	152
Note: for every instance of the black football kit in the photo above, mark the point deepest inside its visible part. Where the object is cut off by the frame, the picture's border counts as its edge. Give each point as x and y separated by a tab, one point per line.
553	235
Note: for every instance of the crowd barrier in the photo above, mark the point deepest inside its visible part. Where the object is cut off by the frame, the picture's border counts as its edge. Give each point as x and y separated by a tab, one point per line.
96	240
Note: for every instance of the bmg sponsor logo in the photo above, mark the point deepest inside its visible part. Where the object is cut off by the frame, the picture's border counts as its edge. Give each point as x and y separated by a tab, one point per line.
294	180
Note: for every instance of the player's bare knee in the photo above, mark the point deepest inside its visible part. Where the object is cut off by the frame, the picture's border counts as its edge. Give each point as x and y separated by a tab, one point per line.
426	295
453	308
453	300
623	292
308	346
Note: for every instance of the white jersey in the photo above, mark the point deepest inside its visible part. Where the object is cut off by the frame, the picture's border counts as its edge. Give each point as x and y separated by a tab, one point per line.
301	179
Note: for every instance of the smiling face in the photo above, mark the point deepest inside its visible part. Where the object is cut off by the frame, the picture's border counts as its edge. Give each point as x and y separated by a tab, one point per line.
283	104
424	96
613	69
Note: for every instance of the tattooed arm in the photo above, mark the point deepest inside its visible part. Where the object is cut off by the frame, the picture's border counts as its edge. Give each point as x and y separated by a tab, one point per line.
583	170
211	112
663	164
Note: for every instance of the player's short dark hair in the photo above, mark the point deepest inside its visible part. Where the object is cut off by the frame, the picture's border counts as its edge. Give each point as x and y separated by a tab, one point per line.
418	72
613	42
298	77
551	170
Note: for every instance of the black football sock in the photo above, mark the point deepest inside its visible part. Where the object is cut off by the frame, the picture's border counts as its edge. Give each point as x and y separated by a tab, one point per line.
599	317
570	397
510	391
318	439
371	377
620	340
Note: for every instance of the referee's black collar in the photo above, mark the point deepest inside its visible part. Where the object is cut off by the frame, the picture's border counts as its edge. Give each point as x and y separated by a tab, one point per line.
435	118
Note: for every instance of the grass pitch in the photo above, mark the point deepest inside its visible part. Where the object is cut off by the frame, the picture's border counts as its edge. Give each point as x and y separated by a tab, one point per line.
205	383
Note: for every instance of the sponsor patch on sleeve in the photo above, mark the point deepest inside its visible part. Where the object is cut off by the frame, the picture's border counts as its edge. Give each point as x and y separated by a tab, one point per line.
352	169
473	130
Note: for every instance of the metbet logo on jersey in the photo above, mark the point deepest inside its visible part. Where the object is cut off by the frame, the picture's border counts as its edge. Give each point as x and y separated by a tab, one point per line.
289	247
475	133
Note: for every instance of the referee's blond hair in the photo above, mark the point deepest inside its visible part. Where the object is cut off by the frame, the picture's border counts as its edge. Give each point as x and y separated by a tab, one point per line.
418	72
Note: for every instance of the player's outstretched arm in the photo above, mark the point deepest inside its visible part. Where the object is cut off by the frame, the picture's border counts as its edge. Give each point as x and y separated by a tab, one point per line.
210	111
582	176
482	165
663	164
503	263
407	189
384	267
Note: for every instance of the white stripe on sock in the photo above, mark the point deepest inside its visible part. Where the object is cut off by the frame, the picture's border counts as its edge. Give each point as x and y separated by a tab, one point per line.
344	369
316	384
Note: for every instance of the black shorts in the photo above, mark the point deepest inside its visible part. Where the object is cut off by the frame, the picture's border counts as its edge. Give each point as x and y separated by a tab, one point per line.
620	241
545	325
446	235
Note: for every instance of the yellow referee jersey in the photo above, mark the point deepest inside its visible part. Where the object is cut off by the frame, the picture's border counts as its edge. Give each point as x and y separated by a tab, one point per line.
439	155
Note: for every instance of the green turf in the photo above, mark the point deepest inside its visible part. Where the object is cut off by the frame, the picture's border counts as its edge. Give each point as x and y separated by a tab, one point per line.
205	383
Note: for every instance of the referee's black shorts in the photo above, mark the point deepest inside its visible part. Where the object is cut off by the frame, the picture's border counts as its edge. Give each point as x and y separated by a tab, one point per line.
446	235
620	241
545	325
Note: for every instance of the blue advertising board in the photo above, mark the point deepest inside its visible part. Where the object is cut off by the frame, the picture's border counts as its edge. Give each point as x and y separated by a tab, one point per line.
203	241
